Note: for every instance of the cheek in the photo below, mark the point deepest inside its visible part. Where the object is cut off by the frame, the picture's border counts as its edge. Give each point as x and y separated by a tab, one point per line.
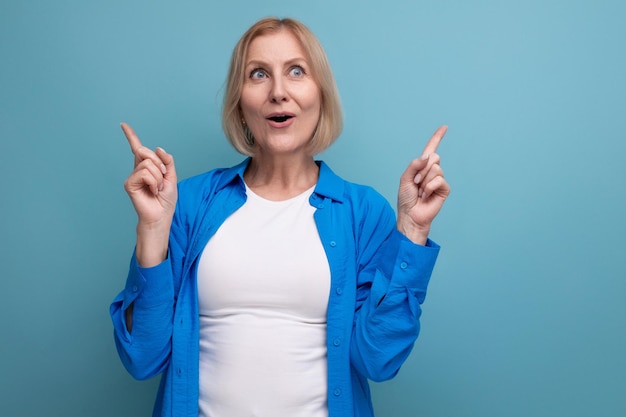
250	101
313	100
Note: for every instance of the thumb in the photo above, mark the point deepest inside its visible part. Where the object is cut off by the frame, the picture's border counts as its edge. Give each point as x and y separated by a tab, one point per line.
168	162
416	165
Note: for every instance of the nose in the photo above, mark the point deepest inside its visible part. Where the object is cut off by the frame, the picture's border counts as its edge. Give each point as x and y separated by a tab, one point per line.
278	92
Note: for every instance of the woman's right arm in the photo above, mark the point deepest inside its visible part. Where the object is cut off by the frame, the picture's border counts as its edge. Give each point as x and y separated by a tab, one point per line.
142	312
152	189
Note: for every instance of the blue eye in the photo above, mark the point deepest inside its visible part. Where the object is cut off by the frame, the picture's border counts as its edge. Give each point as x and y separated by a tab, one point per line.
296	71
258	73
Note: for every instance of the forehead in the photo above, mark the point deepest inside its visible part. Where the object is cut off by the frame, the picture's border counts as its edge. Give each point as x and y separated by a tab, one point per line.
277	46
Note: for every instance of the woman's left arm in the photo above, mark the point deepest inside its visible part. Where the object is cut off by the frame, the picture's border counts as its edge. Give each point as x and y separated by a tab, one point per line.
395	267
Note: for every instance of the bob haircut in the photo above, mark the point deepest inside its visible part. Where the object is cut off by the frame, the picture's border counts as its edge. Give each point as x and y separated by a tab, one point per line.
330	122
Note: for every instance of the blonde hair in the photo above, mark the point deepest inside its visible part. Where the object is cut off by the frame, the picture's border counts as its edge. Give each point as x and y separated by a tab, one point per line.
330	122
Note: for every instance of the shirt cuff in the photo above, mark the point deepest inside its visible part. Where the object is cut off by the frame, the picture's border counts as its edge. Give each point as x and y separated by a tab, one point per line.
414	263
148	287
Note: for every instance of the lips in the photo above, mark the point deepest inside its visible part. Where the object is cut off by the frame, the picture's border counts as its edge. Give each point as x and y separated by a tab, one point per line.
280	117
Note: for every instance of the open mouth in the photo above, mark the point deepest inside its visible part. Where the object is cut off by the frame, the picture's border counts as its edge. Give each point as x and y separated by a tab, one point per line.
279	118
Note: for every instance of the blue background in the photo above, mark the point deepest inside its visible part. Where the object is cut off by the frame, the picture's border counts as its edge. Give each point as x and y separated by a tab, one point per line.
525	314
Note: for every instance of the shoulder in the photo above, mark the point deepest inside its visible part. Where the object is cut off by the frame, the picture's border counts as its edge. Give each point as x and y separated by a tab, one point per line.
361	210
360	193
193	190
362	200
202	181
212	180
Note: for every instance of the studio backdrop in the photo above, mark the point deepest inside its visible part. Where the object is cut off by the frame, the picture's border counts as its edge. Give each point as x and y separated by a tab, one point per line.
525	314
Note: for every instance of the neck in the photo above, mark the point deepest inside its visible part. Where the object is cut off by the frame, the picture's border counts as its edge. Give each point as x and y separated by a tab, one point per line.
281	179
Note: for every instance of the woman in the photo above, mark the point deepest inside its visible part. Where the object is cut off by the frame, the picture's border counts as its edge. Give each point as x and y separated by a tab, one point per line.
274	288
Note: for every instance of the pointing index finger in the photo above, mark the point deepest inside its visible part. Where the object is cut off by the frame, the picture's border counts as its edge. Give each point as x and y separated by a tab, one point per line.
131	136
434	141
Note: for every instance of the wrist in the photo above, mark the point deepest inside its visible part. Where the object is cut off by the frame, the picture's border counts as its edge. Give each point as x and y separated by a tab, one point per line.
152	228
415	233
152	244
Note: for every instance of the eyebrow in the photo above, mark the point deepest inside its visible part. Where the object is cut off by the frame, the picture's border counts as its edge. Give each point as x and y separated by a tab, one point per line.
260	63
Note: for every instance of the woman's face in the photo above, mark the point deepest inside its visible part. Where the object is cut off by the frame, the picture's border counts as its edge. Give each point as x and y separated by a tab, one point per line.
280	100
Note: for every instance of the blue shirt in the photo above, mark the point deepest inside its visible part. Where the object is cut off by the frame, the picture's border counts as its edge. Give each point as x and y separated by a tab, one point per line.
378	283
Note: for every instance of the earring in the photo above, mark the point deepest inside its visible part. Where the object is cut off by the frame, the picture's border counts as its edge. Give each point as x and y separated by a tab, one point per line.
248	134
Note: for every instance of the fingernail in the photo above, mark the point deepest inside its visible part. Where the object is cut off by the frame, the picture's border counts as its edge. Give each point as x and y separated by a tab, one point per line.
417	178
163	169
161	187
424	157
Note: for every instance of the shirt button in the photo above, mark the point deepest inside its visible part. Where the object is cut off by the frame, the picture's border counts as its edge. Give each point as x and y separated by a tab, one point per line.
336	342
320	206
337	392
333	243
404	265
339	291
135	288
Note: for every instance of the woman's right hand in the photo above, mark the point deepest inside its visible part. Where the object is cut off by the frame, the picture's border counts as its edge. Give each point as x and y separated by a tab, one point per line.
152	188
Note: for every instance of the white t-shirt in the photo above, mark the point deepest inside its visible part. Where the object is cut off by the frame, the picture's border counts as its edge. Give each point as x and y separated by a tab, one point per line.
263	286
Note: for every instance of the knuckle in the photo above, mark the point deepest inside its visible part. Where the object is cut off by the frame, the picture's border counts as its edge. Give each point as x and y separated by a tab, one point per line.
146	176
146	164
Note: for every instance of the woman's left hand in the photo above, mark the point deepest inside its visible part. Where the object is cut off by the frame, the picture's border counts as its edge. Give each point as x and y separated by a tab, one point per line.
422	192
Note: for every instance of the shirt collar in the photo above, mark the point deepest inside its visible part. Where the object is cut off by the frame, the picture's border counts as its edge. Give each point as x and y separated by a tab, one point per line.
328	184
230	174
